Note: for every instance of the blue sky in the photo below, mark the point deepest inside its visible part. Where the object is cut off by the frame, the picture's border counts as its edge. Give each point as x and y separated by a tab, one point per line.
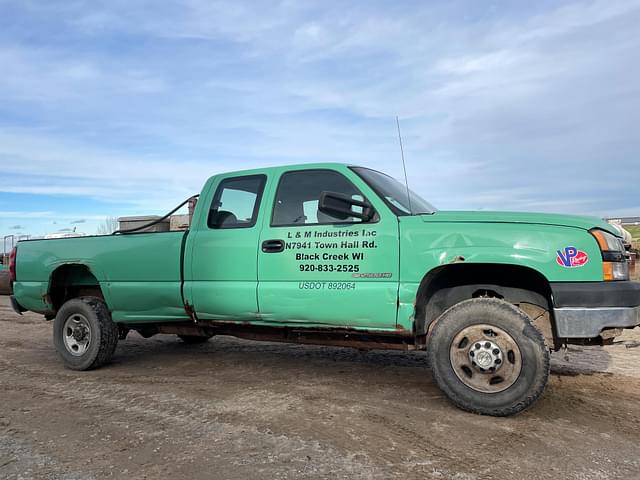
126	107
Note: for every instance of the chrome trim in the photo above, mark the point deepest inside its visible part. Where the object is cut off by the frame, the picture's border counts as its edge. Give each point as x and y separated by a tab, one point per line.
572	322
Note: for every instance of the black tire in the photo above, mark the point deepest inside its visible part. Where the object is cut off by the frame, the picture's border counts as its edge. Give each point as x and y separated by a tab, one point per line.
103	333
532	375
194	339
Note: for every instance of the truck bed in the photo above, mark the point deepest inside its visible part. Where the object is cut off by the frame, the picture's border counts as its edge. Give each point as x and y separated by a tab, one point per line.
140	274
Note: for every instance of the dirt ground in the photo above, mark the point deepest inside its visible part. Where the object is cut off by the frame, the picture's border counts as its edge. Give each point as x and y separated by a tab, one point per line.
234	409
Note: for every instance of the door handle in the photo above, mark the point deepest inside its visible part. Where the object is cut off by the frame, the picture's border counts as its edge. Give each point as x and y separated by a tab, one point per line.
273	246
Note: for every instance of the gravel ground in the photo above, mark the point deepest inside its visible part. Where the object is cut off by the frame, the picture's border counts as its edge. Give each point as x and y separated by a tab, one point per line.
233	409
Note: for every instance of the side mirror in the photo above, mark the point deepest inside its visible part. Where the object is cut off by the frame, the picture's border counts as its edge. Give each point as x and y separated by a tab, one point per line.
340	206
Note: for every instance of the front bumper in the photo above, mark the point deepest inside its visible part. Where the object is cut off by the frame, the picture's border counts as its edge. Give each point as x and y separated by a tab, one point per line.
589	322
584	310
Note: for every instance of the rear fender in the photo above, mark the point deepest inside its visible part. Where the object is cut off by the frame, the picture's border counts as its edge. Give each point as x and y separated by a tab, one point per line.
76	279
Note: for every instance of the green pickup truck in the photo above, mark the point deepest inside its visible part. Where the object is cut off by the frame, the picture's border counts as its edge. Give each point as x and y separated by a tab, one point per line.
334	254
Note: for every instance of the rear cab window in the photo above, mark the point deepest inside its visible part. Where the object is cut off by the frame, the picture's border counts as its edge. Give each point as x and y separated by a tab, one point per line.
236	202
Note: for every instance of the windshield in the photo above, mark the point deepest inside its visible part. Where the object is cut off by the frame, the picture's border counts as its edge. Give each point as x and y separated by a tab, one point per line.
394	193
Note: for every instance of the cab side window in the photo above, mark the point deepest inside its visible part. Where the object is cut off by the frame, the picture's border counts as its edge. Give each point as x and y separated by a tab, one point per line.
298	194
236	202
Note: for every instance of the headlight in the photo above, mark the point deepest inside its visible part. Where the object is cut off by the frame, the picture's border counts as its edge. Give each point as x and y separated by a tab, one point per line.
614	260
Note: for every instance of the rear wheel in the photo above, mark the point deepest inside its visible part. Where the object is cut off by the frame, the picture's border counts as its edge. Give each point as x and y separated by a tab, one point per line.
487	357
84	335
194	339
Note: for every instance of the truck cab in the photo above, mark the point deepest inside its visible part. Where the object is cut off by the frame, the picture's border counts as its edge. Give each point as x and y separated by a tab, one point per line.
309	265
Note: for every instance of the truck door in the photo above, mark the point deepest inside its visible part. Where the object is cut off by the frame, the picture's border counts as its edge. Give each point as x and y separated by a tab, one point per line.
316	269
221	254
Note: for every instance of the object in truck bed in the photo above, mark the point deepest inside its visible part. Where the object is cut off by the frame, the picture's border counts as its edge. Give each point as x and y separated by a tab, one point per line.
129	223
179	222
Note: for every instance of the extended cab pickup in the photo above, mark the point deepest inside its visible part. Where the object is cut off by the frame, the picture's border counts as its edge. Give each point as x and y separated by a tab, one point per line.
339	255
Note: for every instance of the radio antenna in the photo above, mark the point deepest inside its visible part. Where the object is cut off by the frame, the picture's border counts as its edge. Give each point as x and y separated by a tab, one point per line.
404	166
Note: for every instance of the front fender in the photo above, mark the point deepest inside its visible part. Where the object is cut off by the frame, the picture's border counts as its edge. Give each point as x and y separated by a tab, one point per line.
428	246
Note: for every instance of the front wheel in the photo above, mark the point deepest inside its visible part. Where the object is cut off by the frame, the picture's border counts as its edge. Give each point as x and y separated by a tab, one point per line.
84	335
488	358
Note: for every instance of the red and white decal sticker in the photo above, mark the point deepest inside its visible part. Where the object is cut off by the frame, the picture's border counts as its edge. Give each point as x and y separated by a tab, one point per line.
571	257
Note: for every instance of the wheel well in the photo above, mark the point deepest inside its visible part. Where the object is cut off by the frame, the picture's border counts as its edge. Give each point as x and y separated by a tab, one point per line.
445	286
72	280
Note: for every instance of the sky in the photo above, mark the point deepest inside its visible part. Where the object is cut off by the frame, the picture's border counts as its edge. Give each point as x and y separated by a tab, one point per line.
123	107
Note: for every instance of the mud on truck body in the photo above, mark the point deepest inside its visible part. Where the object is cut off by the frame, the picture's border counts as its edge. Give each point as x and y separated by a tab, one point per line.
339	255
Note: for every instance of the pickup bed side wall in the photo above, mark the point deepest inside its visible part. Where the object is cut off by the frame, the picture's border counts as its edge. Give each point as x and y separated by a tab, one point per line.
531	246
139	274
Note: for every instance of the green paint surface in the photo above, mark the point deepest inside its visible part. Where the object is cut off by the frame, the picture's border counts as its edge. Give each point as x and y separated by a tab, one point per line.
358	275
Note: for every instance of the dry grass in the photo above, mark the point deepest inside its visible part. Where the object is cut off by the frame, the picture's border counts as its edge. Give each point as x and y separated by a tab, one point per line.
634	230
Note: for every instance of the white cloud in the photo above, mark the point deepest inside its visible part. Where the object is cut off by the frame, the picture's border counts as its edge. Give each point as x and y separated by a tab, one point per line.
517	107
29	214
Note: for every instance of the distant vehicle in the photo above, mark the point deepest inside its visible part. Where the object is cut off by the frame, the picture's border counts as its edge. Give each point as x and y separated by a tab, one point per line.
338	255
627	238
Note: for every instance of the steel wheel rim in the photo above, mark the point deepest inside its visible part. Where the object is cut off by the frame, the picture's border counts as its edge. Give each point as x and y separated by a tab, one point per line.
501	360
76	334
